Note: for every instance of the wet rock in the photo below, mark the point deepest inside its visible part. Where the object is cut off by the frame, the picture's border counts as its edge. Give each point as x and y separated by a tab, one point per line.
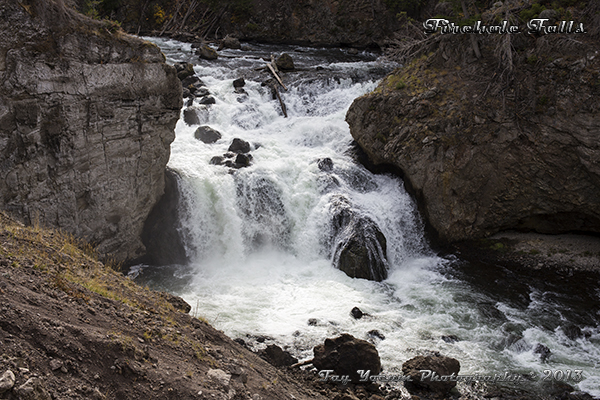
33	389
360	247
217	160
353	51
242	160
375	334
184	70
346	355
450	338
285	62
261	201
7	381
192	80
440	365
543	351
325	164
190	116
207	134
160	234
573	332
207	100
327	183
207	53
239	83
277	357
577	395
239	146
356	313
313	322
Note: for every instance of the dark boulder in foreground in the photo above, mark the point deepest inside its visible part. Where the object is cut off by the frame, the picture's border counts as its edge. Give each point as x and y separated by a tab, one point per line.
207	134
360	247
346	355
426	380
277	357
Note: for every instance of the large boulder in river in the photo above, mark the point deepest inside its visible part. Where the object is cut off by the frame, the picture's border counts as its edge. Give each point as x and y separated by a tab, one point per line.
431	373
346	355
360	248
87	116
285	62
207	134
207	53
485	155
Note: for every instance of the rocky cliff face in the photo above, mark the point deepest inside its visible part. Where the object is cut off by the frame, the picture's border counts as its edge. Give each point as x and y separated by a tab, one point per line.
87	115
486	145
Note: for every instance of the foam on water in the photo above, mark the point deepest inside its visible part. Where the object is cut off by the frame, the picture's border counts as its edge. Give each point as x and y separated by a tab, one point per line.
258	238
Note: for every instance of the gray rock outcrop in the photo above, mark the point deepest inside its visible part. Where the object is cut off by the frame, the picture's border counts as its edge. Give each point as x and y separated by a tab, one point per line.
87	115
483	155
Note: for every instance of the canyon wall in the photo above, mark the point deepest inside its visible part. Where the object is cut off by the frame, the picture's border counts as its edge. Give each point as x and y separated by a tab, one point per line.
87	115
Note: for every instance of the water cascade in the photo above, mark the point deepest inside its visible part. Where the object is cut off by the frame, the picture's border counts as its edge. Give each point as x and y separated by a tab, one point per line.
264	239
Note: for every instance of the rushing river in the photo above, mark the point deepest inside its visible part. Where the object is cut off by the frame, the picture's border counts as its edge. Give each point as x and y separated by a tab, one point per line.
260	241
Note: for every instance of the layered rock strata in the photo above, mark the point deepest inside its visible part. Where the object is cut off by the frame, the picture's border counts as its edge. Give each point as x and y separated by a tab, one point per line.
87	115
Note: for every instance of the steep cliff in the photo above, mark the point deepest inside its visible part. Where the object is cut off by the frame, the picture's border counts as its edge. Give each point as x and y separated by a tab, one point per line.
507	141
87	115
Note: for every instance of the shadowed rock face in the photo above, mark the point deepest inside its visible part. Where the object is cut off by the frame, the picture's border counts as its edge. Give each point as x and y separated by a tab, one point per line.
480	159
86	120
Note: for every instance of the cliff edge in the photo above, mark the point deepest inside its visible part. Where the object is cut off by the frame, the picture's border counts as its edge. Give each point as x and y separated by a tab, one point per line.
87	115
507	140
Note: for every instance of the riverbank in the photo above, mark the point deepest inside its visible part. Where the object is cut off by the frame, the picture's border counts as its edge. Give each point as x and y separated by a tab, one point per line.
73	328
559	253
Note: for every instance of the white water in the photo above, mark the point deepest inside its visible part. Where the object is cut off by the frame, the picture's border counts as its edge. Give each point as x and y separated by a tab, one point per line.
273	286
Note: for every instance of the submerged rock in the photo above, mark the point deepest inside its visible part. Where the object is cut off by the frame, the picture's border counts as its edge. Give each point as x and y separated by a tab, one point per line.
360	248
346	355
325	164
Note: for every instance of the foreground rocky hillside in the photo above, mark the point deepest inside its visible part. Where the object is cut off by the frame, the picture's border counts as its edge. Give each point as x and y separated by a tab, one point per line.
87	115
72	328
507	140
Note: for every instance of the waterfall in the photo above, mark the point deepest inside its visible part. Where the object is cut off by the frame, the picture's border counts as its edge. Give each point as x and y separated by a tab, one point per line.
262	239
